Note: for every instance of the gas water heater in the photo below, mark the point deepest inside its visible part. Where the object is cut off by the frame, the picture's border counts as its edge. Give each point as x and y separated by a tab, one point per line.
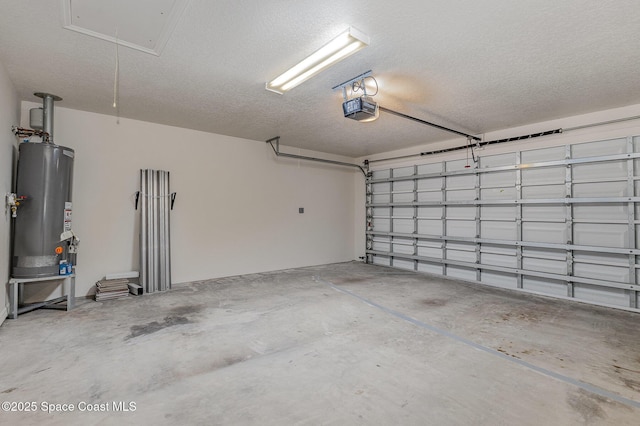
43	238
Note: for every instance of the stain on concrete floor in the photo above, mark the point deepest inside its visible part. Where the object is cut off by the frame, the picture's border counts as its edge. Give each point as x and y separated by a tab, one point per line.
588	405
351	280
187	309
434	302
155	326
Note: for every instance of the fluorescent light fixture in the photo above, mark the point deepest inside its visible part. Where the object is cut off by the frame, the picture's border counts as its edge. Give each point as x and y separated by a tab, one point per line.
344	45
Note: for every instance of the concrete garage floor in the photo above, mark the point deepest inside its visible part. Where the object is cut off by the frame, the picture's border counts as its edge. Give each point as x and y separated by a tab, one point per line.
343	344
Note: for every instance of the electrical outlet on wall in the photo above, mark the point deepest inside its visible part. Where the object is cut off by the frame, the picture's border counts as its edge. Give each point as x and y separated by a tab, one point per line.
300	210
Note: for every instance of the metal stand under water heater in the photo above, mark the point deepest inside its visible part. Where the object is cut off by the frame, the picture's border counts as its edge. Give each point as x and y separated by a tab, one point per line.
44	244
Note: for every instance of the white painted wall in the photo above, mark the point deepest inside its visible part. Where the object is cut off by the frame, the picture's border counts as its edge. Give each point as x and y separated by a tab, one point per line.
236	210
598	133
9	113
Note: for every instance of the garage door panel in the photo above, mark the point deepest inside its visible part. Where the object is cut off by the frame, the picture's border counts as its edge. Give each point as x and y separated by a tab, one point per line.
430	268
461	182
430	212
428	197
601	272
460	245
381	224
403	212
498	179
498	260
544	253
381	246
608	296
461	212
381	174
462	256
498	212
542	155
381	211
434	252
544	176
544	213
381	198
604	189
505	193
402	248
424	169
461	228
545	265
381	187
499	279
544	232
403	225
545	286
430	183
381	260
600	212
594	258
403	197
456	165
429	227
542	192
498	230
604	235
461	273
461	195
498	249
598	171
403	185
599	148
430	243
403	171
403	264
498	160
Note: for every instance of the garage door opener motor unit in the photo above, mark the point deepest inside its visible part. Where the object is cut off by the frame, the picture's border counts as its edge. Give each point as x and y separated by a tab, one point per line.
362	107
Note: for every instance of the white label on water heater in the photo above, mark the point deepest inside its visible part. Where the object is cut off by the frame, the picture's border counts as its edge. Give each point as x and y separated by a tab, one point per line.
67	216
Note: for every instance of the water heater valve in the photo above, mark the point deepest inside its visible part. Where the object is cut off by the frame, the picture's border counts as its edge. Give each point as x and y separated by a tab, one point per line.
13	201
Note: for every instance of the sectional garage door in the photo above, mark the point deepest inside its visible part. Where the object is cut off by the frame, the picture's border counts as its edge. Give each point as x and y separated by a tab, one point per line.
559	221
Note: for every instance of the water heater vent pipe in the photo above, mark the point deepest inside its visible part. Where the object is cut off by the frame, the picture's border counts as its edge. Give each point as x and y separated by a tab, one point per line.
47	112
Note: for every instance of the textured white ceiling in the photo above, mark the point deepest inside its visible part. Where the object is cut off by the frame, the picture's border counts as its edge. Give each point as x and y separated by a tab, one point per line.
473	65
